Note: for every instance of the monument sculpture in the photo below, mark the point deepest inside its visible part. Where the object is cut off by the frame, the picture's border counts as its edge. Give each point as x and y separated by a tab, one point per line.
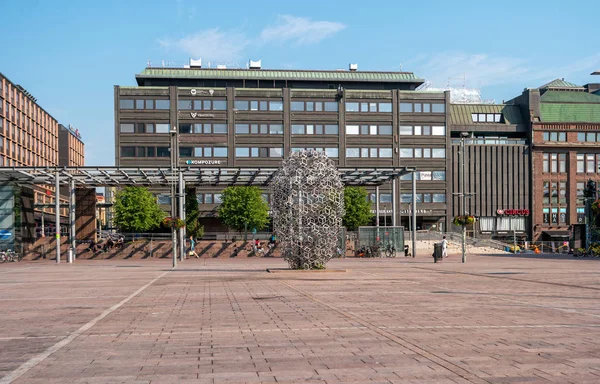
307	203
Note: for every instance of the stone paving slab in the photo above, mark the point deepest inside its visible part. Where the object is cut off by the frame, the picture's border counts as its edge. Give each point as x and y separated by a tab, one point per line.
495	319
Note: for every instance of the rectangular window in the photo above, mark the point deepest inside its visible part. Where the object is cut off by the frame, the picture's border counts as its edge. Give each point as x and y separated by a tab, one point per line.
562	194
385	129
276	106
331	152
139	104
127	128
331	106
406	107
275	152
581	137
426	108
385	152
184	104
352	107
242	152
546	193
150	151
418	108
220	152
163	152
297	106
297	129
590	163
127	151
406	152
162	104
163	128
553	193
439	197
554	162
331	129
562	162
149	104
438	108
438	131
385	107
352	129
438	175
207	152
580	164
241	105
580	196
219	105
406	130
242	129
352	152
438	153
186	151
546	162
276	129
126	104
185	128
208	198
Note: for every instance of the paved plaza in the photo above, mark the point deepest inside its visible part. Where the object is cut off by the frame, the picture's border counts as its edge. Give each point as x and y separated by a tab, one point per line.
496	319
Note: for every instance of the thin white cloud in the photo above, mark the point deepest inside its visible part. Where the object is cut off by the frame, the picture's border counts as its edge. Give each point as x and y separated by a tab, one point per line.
211	44
481	70
300	30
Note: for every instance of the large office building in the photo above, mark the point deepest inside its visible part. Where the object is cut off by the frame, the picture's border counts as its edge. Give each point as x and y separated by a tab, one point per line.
30	136
255	117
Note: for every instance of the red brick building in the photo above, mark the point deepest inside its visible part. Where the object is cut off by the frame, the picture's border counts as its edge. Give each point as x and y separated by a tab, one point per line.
564	123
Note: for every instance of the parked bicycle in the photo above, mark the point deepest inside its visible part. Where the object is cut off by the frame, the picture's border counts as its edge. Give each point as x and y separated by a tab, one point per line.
592	251
389	250
10	256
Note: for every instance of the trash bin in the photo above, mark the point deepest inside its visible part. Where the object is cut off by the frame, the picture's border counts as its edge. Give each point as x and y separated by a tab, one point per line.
437	252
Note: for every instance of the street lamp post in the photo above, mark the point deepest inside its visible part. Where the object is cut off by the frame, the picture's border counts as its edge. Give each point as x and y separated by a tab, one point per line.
463	194
173	181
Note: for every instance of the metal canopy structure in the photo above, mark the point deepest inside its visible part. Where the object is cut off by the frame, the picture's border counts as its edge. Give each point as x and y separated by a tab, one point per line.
181	176
164	176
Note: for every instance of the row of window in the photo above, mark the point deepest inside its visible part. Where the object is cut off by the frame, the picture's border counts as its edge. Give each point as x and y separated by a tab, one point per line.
407	198
314	106
588	163
368	107
417	153
145	128
425	176
554	162
330	152
270	129
139	151
369	130
556	215
422	107
258	152
202	105
369	152
423	198
258	105
486	117
554	193
314	129
589	137
425	130
162	104
582	137
206	128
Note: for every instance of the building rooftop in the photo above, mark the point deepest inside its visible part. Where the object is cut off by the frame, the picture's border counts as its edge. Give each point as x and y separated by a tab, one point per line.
565	106
280	74
560	83
460	114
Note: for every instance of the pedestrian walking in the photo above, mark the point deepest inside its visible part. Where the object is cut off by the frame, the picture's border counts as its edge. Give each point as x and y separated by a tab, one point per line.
193	248
444	247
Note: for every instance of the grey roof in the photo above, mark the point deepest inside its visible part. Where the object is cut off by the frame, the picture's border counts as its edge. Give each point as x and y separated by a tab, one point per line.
279	74
223	177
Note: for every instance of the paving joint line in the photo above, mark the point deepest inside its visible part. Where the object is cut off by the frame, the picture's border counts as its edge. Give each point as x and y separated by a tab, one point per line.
35	360
463	373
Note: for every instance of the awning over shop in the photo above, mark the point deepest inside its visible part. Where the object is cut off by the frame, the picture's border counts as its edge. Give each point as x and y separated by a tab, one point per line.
558	234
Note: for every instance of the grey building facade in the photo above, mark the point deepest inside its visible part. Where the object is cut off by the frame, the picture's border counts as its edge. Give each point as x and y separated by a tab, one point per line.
256	117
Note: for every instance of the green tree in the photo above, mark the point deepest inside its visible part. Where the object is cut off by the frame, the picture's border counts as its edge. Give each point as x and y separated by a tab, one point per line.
137	210
192	214
357	206
243	208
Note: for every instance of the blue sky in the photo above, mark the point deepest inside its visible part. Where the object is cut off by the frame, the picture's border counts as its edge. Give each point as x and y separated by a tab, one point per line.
70	54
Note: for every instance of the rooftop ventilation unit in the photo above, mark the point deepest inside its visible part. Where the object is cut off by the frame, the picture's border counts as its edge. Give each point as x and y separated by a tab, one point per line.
255	64
353	67
196	63
221	66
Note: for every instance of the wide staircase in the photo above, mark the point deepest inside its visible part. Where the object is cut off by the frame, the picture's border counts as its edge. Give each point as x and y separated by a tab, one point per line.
45	248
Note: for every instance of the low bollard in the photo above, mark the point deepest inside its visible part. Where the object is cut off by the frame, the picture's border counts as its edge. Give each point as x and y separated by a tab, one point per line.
70	255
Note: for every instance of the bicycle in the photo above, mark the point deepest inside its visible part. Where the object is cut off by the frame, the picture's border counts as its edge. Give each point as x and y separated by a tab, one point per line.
592	251
389	250
10	256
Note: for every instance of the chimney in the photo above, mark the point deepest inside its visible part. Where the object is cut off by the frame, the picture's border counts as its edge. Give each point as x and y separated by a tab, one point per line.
353	67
